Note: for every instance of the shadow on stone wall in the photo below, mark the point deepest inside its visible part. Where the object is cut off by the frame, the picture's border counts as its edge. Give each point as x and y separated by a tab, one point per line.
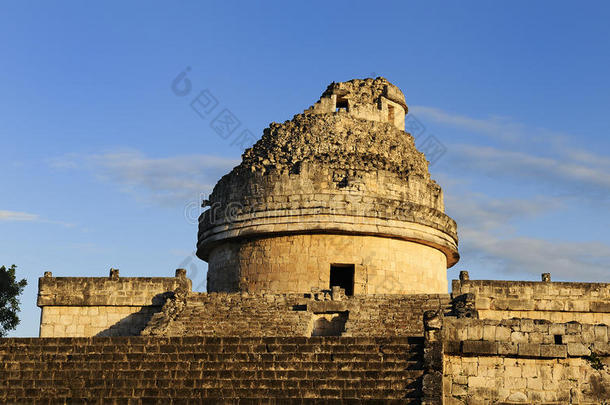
133	324
330	324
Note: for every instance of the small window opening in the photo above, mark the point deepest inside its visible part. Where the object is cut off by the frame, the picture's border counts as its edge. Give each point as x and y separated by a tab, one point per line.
342	104
342	275
390	113
558	339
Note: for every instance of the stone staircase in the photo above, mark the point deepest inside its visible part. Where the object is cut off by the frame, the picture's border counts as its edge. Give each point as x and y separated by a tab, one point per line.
234	314
215	370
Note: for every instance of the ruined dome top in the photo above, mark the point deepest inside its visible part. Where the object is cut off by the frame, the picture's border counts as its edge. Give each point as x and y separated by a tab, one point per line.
367	91
335	140
347	162
353	132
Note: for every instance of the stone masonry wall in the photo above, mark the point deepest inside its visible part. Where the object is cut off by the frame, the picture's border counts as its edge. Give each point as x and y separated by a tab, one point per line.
65	321
525	361
102	306
553	301
298	263
221	314
336	188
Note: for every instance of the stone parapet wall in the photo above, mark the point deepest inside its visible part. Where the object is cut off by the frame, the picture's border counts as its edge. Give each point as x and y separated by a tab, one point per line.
222	314
524	338
553	301
525	361
99	291
102	306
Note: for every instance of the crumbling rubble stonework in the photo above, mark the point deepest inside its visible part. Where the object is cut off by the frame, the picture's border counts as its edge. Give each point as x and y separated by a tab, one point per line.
340	186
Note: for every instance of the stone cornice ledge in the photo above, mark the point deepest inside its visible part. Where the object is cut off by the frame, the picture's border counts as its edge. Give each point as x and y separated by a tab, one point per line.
333	224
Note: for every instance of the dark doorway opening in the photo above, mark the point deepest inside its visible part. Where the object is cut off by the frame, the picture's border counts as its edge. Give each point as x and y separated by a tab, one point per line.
390	113
342	275
342	104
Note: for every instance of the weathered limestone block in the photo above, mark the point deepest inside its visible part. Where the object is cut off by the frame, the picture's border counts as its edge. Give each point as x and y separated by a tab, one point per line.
578	350
552	350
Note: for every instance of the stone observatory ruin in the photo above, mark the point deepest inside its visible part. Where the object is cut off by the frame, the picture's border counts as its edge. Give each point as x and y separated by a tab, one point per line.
340	196
328	248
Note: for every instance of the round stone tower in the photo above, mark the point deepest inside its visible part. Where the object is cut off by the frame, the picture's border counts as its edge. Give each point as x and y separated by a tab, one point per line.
337	196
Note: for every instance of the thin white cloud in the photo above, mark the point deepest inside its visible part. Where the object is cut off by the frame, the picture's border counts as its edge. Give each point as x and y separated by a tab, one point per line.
519	155
495	126
559	171
524	154
511	132
588	158
577	261
488	239
18	216
166	180
478	211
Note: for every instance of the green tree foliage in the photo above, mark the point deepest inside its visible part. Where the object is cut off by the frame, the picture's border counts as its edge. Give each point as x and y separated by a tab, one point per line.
10	289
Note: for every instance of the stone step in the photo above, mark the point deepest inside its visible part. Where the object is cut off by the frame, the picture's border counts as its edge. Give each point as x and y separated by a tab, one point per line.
199	340
213	349
155	375
245	365
315	401
120	383
21	395
72	400
213	356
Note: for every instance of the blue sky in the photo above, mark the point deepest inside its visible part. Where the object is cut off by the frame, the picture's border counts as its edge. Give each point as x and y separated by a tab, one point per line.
103	165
